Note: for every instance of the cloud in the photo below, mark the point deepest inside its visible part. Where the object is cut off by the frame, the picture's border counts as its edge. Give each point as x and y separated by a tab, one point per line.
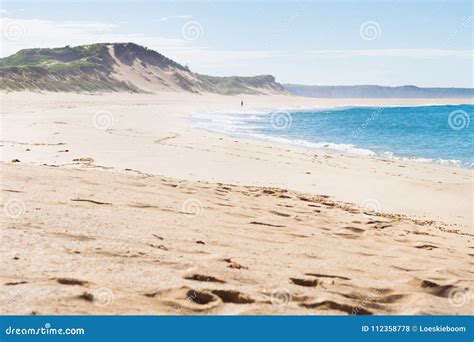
34	33
219	60
170	17
411	53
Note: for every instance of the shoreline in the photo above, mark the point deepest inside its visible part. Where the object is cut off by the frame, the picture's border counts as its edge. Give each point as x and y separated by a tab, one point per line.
149	216
305	144
149	133
240	132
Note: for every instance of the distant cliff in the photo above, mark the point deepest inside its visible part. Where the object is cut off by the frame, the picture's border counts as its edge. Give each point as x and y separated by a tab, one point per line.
375	91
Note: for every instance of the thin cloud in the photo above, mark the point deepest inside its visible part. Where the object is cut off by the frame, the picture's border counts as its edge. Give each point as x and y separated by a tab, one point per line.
34	33
411	53
171	17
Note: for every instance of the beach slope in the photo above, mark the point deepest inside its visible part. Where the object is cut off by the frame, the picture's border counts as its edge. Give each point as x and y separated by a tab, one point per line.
81	241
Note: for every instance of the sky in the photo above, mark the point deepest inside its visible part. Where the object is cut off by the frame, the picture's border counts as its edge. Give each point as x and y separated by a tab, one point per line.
397	42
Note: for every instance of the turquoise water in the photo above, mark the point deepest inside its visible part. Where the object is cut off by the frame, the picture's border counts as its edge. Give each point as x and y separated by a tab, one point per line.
435	133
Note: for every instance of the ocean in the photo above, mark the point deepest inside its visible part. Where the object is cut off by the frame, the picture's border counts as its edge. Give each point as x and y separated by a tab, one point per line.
433	133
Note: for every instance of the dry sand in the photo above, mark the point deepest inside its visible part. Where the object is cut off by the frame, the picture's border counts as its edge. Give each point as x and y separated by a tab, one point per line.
150	216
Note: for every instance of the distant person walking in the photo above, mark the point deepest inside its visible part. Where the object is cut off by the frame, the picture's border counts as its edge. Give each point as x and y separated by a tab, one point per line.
241	103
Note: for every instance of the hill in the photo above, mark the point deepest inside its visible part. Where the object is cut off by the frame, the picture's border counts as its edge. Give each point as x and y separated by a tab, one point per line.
117	67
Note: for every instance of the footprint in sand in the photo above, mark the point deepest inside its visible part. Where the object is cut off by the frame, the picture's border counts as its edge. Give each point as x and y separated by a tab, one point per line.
354	229
319	275
199	300
331	305
304	282
71	281
84	160
266	224
235	297
440	290
280	213
200	297
12	283
233	264
200	277
426	246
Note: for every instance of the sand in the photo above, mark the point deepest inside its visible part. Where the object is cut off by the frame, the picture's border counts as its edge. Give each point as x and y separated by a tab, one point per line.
142	214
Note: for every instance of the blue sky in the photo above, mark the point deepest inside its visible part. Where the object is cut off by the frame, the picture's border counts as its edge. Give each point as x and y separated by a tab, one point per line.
425	43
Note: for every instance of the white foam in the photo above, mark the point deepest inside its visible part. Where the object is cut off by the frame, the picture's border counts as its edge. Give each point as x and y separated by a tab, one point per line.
439	161
238	124
344	148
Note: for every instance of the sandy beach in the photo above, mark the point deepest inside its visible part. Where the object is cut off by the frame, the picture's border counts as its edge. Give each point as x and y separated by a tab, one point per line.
113	204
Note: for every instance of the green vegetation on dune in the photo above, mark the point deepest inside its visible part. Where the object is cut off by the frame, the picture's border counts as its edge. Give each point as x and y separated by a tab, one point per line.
240	85
72	67
81	68
91	68
93	53
35	78
23	58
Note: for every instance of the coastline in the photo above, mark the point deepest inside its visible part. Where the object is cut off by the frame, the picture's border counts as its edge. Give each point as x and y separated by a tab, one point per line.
339	148
167	219
149	133
268	126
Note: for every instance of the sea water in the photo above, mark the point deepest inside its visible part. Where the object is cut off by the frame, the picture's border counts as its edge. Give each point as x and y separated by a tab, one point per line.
432	133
